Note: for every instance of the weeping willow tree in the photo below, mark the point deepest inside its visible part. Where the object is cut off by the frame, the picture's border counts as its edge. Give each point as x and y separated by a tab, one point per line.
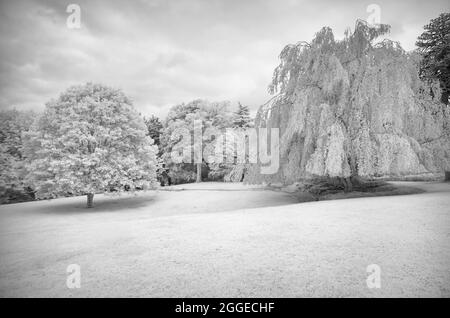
353	108
301	64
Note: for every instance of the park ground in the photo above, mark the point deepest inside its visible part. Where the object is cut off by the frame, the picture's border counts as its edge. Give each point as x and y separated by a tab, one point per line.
228	240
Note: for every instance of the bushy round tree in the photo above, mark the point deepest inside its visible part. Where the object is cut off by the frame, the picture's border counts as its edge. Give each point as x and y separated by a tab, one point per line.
89	140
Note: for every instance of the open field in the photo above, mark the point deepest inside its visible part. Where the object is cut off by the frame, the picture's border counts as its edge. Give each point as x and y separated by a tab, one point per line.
216	239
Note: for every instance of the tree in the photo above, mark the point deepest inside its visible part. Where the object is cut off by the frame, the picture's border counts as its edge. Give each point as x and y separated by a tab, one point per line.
340	111
154	127
89	140
434	45
242	117
181	117
304	64
12	124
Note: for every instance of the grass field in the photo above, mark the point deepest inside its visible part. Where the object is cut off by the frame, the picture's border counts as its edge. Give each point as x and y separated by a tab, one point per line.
228	240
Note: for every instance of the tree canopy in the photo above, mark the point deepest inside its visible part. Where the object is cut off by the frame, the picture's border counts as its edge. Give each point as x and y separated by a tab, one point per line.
302	64
154	126
342	105
242	117
212	115
87	141
434	45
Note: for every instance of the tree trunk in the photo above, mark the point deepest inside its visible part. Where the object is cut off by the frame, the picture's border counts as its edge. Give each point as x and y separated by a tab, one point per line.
199	172
445	97
347	184
90	200
447	175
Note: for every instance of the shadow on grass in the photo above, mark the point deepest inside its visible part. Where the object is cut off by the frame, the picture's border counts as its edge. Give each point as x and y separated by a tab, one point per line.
102	203
381	191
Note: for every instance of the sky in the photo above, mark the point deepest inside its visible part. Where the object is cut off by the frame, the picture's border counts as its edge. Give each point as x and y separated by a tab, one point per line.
165	52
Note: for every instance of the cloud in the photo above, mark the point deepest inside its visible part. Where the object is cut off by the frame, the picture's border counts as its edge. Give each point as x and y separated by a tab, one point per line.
164	52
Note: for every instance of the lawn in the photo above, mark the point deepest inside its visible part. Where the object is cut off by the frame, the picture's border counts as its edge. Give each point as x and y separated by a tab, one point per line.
228	240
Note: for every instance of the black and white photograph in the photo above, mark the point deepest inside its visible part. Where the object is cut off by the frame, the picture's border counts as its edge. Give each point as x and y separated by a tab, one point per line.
224	149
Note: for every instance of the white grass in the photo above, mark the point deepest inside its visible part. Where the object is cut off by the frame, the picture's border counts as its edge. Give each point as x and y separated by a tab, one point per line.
241	242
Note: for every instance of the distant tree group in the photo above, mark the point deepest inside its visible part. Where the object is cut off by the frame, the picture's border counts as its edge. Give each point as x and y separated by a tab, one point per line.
434	45
212	115
89	140
12	186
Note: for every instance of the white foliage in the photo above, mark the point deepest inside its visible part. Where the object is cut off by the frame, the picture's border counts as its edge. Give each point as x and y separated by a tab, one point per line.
89	140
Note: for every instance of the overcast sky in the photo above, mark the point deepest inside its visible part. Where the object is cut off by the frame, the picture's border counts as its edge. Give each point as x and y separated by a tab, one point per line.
164	52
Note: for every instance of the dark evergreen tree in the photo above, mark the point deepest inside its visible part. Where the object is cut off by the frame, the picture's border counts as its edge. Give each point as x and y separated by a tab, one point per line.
154	127
242	117
434	44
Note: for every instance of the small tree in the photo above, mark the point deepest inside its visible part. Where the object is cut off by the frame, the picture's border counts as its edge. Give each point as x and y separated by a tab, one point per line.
154	127
434	44
89	140
242	117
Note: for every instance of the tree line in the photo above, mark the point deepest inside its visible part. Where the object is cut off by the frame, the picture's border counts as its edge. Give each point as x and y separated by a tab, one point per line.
92	140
